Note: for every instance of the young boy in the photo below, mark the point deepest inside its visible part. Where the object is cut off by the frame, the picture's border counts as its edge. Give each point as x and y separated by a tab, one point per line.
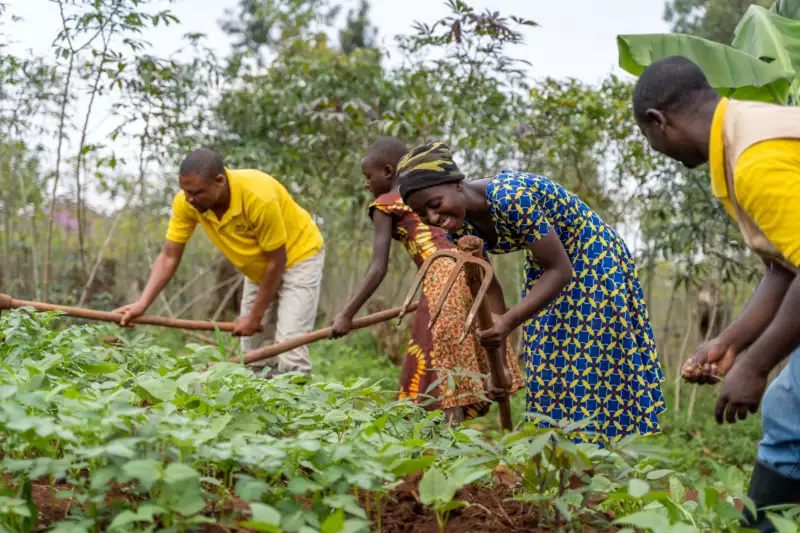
754	155
431	354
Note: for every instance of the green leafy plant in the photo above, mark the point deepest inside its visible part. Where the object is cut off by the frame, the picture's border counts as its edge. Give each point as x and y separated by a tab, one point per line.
137	437
438	489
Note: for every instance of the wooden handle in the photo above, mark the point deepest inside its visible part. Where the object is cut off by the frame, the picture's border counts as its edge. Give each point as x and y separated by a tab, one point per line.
474	276
7	302
289	344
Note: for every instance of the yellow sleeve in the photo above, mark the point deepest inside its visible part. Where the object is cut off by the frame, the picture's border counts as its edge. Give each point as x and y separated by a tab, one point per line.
182	222
267	219
768	189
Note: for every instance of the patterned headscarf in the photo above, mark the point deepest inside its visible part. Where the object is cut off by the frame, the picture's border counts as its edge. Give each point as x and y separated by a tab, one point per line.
427	166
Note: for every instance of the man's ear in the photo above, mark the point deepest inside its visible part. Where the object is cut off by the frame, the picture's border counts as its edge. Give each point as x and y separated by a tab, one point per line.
388	171
657	117
220	179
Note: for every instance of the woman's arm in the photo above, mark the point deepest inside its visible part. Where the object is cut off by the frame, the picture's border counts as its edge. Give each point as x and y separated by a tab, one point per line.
551	255
382	243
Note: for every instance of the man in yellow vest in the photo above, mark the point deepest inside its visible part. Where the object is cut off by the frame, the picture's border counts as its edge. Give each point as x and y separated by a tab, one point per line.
753	151
273	241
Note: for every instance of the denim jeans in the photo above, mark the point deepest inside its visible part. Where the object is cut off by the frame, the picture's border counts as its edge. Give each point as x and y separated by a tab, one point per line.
780	417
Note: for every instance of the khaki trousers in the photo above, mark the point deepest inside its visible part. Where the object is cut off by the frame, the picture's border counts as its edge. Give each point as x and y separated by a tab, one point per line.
290	313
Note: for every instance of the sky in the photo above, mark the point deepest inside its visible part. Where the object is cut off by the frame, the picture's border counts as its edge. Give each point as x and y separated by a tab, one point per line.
574	38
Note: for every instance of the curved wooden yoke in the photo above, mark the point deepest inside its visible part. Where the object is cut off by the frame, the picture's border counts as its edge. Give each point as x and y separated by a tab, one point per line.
479	275
463	256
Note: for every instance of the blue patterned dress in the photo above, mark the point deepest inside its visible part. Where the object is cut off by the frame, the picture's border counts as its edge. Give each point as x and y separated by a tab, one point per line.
591	352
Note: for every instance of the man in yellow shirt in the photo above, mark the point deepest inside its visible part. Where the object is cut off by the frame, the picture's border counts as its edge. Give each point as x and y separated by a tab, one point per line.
754	155
274	242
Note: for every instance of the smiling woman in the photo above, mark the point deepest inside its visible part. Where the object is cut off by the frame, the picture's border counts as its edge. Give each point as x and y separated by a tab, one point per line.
589	348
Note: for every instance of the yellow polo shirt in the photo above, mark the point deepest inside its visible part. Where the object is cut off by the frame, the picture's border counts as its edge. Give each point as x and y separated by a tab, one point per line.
767	179
261	218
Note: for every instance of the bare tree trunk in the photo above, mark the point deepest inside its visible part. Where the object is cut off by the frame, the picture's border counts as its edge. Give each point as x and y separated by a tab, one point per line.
651	274
5	267
360	224
666	330
150	263
173	299
140	183
684	344
224	302
34	238
712	327
73	51
103	248
328	300
206	292
79	159
53	192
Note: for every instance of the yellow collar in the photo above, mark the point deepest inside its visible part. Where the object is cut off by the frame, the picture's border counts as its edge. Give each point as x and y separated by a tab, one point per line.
235	206
716	151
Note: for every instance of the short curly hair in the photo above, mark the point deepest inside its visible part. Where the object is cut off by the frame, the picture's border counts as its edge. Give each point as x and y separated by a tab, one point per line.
672	83
204	163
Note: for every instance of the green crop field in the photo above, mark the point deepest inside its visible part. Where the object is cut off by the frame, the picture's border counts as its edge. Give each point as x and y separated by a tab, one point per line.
140	437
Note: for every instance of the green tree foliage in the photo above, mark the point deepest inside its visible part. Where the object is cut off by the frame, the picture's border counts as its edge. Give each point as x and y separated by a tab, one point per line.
307	115
260	24
714	20
584	137
306	110
359	32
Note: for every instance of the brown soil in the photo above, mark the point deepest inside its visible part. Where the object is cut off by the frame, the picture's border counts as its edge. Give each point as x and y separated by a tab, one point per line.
489	510
52	509
49	507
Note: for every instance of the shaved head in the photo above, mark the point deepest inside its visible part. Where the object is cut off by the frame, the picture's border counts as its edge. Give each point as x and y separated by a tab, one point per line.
386	151
674	106
672	84
204	163
379	164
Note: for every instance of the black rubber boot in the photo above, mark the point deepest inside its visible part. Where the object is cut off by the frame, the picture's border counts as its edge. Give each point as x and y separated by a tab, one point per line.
768	487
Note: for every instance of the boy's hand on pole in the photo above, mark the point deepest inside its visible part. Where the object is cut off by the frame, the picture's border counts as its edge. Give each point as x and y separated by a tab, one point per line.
340	326
130	312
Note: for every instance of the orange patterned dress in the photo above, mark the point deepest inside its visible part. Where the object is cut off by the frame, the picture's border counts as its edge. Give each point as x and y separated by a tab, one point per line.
438	372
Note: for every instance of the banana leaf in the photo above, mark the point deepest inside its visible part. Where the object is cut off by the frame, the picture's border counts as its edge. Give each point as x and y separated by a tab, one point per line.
731	72
765	34
787	8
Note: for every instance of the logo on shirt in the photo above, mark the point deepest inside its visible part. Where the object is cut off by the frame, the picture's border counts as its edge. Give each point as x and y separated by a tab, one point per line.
242	227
